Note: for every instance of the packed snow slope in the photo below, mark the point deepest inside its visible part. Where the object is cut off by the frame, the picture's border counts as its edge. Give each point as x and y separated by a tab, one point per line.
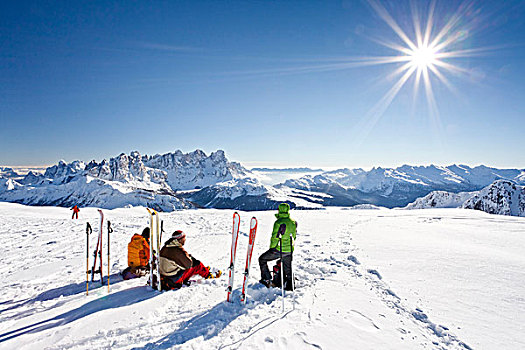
367	279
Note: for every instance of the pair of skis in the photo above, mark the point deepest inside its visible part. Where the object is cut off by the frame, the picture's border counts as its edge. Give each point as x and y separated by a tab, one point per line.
156	229
251	241
97	253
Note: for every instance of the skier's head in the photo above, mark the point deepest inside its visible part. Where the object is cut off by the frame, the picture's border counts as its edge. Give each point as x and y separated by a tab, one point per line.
284	209
145	233
179	235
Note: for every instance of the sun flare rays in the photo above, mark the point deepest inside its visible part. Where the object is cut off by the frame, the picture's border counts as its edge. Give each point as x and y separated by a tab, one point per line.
423	54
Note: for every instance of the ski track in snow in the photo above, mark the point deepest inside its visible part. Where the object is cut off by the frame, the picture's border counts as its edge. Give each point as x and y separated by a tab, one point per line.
340	302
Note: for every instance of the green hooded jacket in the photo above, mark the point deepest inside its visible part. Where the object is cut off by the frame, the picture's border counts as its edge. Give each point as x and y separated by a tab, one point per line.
283	217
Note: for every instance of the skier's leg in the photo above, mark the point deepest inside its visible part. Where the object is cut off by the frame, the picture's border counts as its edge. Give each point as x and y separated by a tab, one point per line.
199	269
269	255
287	269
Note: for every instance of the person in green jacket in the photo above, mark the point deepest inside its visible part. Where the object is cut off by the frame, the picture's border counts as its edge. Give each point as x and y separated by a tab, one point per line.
277	251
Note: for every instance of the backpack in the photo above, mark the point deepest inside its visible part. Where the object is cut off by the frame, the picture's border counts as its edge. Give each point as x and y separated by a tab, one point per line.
276	280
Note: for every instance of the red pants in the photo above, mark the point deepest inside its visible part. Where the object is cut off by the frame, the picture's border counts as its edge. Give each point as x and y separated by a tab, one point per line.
75	213
200	270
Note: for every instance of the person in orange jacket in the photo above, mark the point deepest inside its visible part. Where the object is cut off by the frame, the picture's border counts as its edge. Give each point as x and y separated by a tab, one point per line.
75	212
138	255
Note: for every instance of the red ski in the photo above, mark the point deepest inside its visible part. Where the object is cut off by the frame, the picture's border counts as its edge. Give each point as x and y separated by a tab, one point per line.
98	251
251	241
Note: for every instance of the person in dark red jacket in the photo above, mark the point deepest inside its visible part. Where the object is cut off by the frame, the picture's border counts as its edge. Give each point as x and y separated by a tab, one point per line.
176	266
75	212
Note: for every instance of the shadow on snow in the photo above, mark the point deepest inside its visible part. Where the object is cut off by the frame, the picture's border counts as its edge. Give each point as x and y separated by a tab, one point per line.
71	289
210	323
111	301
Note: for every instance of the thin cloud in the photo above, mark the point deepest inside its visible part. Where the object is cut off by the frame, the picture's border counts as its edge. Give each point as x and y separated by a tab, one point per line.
168	48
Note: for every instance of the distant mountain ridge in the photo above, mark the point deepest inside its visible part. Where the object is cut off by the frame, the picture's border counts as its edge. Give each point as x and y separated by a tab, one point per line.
192	180
395	187
287	170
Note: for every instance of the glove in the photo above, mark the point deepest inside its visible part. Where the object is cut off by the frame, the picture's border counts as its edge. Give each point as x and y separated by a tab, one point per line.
194	262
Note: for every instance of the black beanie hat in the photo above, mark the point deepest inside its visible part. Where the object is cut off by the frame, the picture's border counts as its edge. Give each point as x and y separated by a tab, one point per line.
145	233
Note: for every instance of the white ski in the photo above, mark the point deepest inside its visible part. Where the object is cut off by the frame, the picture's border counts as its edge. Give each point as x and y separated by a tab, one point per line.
251	241
235	235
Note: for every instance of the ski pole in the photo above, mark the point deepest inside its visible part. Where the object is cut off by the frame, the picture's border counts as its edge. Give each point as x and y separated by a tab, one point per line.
292	246
282	267
280	234
110	230
150	247
88	231
100	250
159	286
161	229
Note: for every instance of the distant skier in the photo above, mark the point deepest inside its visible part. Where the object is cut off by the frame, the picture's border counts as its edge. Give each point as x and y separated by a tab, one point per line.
276	251
176	266
75	212
138	255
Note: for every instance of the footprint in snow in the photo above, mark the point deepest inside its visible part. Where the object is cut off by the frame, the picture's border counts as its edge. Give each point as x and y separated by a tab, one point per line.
361	321
375	273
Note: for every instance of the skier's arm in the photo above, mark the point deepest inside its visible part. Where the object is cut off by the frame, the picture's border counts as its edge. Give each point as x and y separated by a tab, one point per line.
274	241
186	260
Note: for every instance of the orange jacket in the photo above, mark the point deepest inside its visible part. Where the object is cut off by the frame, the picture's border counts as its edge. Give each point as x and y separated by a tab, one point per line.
138	251
75	209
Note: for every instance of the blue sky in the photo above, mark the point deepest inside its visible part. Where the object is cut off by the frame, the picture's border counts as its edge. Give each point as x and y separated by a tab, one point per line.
271	83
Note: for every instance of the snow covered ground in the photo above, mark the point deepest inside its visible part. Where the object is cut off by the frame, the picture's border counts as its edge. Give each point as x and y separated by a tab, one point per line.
368	279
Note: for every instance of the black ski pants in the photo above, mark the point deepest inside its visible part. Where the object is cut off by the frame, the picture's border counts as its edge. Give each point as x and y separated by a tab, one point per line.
274	254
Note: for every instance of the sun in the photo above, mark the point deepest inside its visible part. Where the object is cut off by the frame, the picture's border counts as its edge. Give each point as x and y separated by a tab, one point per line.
423	53
423	57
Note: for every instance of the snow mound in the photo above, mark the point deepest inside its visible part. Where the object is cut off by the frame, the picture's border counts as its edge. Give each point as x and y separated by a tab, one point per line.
502	197
440	199
366	207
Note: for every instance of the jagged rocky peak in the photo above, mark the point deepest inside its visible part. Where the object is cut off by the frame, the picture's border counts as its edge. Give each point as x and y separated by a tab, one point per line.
197	154
127	168
218	156
100	170
63	169
7	173
32	178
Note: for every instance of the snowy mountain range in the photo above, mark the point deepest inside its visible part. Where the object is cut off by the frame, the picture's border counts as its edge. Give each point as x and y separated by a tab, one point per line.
395	187
165	182
195	180
123	180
